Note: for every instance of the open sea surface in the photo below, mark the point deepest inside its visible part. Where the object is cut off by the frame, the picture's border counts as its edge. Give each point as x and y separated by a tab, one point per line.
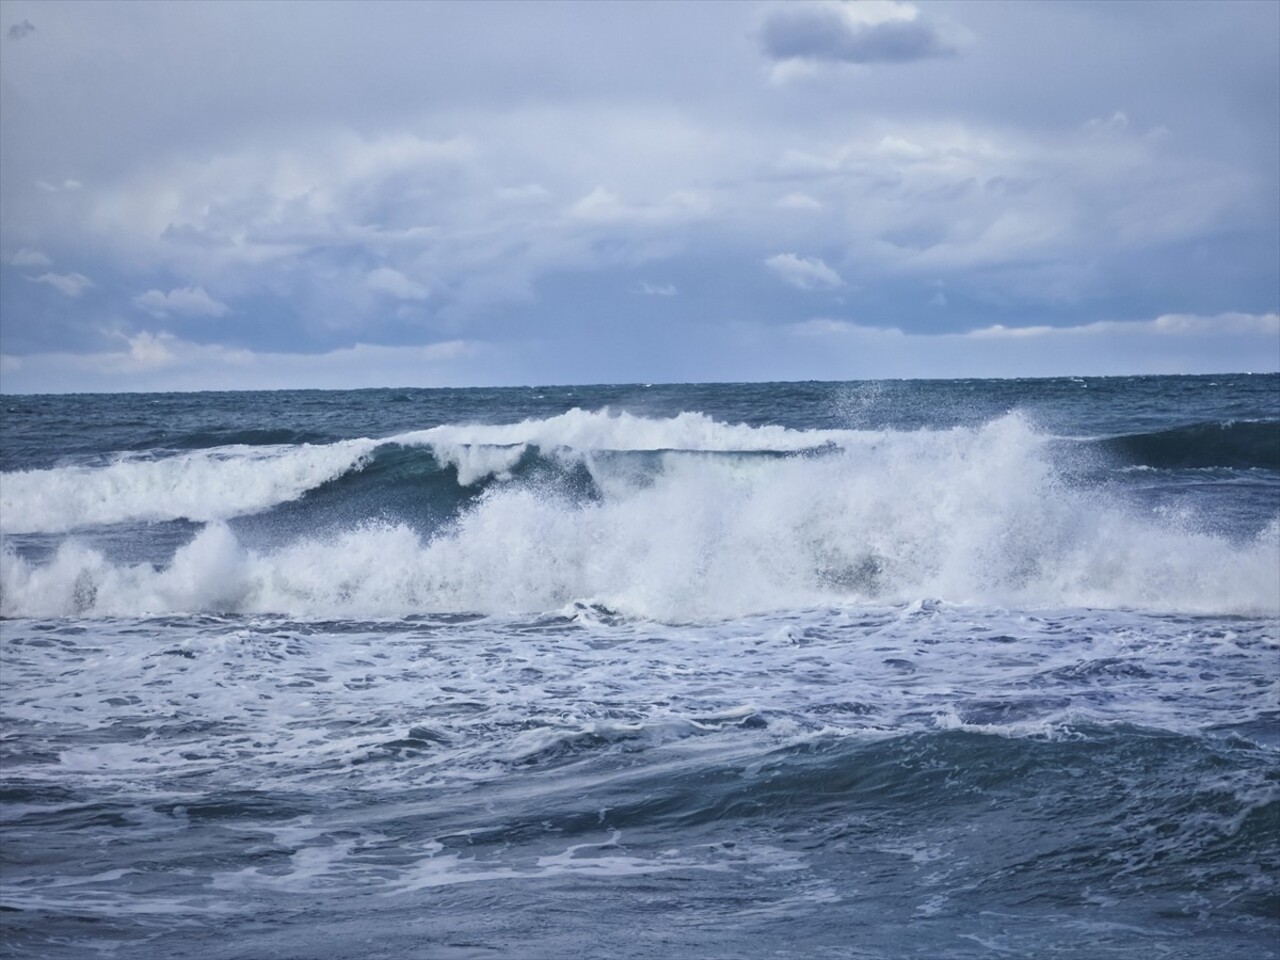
958	669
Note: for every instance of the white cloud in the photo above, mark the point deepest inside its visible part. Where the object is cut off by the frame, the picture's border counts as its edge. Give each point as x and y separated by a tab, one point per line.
151	350
395	283
804	273
603	206
797	201
30	258
472	212
1167	325
950	199
64	187
185	301
1175	343
163	362
68	284
826	327
656	290
258	206
821	348
1026	217
599	204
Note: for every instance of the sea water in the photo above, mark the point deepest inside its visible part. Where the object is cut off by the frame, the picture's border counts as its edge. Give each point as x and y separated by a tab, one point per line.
898	669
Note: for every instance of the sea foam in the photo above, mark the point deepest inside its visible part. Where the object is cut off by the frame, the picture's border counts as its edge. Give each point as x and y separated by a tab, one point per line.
205	485
230	481
982	515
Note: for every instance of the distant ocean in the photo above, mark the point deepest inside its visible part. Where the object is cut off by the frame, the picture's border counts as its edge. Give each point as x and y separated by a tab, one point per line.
958	669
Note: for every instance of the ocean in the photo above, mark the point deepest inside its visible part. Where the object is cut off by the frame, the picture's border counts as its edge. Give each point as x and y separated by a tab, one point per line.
908	669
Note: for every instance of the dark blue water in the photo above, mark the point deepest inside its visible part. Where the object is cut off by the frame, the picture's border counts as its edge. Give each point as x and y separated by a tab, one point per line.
900	669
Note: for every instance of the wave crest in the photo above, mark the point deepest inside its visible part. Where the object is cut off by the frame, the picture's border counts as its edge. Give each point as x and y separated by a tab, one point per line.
969	514
207	485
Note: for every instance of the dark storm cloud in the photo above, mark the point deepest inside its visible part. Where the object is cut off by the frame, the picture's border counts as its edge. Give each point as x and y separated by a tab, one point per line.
853	34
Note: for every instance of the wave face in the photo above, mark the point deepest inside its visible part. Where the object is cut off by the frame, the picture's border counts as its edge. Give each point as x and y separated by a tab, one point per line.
1249	445
676	518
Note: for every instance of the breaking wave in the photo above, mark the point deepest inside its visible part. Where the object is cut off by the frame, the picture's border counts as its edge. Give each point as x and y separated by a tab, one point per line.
674	519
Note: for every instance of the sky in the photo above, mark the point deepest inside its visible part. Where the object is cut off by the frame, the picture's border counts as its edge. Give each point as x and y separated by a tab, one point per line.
290	194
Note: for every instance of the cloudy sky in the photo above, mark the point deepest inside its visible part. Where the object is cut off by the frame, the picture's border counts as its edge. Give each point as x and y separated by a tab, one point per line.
231	195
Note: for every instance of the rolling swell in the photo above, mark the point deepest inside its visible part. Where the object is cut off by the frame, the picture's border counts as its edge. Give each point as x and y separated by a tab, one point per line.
228	436
478	520
1105	809
1085	778
1239	445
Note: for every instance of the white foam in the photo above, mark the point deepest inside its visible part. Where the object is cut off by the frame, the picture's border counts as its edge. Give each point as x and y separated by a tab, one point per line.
585	430
968	515
317	868
230	481
476	462
205	485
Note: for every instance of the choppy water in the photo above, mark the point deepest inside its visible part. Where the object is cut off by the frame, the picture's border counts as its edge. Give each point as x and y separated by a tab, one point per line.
959	669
